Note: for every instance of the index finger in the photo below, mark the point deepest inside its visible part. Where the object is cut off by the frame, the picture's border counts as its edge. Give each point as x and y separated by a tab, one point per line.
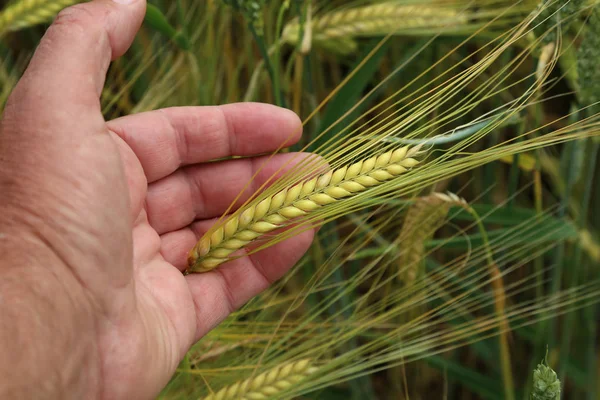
167	139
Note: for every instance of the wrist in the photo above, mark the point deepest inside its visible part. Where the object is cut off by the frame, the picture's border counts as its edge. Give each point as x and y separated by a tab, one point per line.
48	339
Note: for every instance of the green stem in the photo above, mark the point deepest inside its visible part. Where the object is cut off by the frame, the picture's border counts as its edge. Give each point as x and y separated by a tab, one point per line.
590	313
577	257
568	166
276	63
265	55
513	180
562	212
505	363
181	17
254	79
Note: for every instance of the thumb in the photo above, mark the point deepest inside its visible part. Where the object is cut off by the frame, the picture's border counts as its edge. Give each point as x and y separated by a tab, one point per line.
60	169
70	64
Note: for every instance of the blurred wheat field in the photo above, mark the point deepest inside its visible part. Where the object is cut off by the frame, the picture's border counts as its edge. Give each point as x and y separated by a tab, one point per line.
455	279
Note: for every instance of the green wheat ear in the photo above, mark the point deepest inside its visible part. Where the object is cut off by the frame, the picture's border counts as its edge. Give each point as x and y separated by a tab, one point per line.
552	13
25	13
546	385
588	56
251	10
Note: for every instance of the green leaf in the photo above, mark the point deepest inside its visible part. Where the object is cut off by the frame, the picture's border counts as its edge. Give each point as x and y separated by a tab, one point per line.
158	21
521	224
545	231
351	94
488	388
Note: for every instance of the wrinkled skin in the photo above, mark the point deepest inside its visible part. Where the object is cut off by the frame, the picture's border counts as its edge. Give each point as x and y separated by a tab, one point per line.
97	218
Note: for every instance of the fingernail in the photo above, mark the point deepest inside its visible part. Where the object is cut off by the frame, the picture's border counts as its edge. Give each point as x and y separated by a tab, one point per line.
124	1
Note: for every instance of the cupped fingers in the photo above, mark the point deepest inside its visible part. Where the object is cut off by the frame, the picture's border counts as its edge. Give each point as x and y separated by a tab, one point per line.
165	140
208	190
221	291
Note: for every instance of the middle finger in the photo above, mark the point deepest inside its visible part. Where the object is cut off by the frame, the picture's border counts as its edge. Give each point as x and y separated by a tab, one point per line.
206	190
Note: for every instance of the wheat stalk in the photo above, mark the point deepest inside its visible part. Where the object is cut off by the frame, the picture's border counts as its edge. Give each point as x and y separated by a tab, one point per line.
337	28
211	350
25	13
299	200
267	384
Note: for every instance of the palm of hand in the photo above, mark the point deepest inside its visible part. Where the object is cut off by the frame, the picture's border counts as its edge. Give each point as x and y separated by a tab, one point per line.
172	205
108	211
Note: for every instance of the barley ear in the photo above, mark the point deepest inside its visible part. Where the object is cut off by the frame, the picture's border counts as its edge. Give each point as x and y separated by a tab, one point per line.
251	10
26	13
337	30
546	385
588	73
268	384
422	220
300	200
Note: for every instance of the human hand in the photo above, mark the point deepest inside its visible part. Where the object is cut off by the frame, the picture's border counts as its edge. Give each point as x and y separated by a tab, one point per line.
97	219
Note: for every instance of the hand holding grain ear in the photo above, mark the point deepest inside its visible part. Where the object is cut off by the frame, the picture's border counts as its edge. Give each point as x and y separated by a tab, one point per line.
97	218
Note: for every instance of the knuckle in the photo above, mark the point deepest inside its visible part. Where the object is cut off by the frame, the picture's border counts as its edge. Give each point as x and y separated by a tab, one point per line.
78	16
82	19
79	26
